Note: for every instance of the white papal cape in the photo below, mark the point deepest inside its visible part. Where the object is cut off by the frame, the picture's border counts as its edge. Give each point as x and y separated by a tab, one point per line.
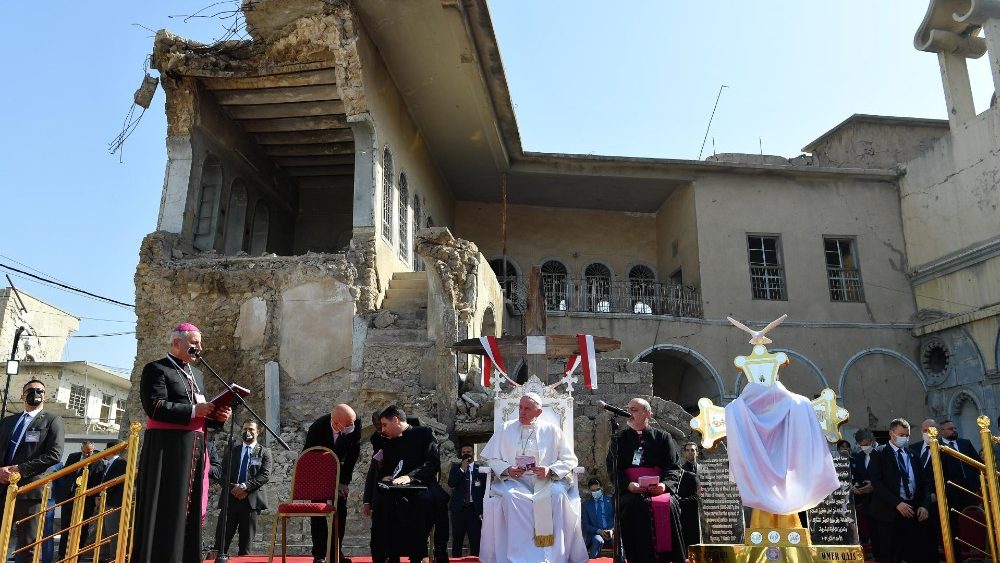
778	454
509	511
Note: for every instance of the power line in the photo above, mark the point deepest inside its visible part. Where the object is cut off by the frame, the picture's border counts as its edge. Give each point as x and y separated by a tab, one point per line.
68	287
84	335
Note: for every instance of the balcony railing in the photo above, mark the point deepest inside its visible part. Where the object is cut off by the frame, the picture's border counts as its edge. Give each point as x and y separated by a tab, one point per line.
845	285
601	295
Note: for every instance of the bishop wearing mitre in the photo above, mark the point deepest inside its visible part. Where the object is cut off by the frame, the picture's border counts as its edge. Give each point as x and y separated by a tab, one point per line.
533	512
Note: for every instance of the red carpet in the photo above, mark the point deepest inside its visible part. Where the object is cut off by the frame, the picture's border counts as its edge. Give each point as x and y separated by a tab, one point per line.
307	559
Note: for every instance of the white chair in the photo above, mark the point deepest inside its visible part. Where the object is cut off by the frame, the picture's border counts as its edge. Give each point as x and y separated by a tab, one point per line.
557	408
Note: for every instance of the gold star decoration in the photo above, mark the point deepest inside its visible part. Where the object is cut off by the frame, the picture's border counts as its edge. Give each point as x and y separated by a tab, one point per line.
710	422
830	414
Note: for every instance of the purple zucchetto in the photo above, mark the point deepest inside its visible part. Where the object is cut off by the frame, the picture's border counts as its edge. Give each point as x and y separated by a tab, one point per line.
186	327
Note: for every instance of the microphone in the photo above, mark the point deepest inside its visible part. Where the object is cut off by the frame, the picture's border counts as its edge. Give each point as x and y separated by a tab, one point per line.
192	351
617	411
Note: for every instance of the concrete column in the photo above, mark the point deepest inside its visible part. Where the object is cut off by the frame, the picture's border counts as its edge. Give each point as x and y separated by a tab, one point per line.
365	153
175	184
957	88
992	29
272	397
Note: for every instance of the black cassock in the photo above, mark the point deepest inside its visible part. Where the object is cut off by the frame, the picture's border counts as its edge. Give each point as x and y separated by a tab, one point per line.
401	519
171	465
634	514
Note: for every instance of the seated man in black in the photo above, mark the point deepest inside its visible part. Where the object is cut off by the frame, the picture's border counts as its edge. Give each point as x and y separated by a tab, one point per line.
403	506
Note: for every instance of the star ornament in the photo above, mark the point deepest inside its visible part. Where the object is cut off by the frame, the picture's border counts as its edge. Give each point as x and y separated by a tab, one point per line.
830	414
710	423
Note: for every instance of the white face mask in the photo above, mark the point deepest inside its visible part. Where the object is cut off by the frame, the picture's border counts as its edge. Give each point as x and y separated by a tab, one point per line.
348	429
902	441
597	494
866	449
927	438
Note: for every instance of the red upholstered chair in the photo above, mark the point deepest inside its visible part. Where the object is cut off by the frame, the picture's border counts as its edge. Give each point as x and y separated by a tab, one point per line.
314	484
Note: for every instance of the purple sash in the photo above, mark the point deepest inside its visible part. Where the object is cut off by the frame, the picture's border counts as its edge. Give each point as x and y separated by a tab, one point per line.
197	424
659	506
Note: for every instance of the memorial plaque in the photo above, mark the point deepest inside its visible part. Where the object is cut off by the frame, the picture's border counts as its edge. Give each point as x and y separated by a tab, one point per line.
833	521
721	508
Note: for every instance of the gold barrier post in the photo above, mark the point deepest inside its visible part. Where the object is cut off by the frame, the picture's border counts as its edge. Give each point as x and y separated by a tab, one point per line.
988	515
99	526
942	499
990	471
73	549
127	512
46	491
7	521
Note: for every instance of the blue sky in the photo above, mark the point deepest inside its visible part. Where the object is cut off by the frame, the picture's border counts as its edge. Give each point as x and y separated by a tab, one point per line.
635	78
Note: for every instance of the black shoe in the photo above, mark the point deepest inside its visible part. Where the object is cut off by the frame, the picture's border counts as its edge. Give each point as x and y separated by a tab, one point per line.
319	560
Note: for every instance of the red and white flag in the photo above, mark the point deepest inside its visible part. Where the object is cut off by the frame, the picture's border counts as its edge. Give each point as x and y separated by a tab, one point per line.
492	359
589	359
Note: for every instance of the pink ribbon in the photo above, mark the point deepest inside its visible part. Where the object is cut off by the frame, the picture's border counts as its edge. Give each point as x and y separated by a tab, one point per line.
197	424
660	506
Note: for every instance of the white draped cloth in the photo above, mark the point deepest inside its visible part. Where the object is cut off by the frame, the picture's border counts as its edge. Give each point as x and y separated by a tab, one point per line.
509	512
778	454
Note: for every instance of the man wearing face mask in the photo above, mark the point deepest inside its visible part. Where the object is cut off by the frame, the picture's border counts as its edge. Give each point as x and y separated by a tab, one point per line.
689	495
250	471
862	487
468	486
901	498
30	443
598	519
340	432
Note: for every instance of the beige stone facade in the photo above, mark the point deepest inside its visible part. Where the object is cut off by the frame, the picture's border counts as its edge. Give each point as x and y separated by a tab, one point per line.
332	219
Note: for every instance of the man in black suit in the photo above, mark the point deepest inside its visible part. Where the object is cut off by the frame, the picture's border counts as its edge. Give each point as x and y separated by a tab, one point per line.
467	488
957	471
250	469
930	530
900	498
862	487
67	485
112	468
30	443
689	495
340	432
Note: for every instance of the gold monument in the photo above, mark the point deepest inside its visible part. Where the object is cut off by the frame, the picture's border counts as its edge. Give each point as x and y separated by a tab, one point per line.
770	536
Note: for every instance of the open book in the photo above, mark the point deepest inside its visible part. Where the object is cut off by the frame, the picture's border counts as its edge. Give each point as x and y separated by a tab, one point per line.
225	398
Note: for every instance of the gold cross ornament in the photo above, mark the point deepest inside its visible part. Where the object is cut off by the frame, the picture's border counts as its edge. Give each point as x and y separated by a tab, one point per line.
710	423
830	414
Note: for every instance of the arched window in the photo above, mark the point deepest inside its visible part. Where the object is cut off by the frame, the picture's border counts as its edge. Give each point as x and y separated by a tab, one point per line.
418	264
387	194
236	217
555	285
208	203
508	282
261	227
404	219
642	289
597	278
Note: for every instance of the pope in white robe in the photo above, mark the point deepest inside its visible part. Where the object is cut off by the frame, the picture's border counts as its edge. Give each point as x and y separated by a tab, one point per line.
532	514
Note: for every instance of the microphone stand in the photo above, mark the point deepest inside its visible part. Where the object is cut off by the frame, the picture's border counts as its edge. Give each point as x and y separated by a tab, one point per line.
222	556
619	553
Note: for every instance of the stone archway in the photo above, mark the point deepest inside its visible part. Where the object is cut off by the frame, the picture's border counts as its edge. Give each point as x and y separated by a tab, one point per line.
964	410
877	385
682	375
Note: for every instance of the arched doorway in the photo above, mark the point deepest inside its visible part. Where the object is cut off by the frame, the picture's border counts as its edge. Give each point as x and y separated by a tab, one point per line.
682	375
965	411
878	385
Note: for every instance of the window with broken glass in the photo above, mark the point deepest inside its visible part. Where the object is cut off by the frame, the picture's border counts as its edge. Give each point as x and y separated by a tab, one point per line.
767	273
387	194
554	285
842	270
642	289
78	397
597	279
404	219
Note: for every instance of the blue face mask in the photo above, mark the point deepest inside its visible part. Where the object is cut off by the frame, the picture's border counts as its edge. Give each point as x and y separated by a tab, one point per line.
597	494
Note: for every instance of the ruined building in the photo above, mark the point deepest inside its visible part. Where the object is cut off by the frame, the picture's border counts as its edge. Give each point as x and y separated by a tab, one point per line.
331	219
